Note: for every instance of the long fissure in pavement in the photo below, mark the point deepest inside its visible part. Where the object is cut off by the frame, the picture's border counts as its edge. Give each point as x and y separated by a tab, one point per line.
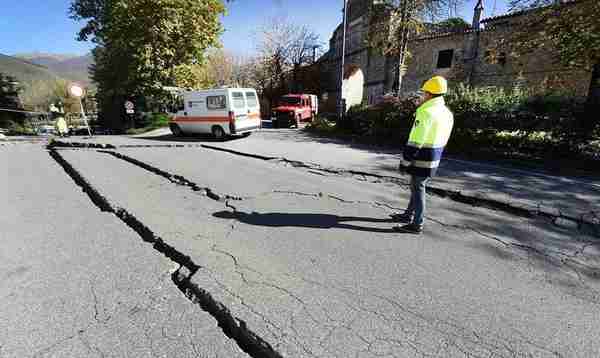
183	277
557	259
583	223
231	326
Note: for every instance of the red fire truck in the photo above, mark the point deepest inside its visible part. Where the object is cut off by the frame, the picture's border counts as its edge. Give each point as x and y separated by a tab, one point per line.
293	109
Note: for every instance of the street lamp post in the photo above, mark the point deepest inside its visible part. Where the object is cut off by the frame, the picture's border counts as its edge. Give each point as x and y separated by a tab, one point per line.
341	104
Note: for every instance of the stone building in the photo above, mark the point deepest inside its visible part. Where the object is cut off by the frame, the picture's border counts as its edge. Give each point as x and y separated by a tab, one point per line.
478	56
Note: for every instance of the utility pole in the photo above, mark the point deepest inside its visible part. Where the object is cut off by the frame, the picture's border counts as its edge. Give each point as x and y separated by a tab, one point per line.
341	101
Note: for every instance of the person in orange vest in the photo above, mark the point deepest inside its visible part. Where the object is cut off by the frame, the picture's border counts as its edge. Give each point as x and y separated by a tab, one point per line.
423	152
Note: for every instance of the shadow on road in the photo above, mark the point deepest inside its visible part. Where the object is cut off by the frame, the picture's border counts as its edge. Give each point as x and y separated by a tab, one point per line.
314	221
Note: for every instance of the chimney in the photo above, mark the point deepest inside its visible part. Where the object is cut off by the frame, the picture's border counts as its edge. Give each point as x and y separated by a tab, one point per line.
478	11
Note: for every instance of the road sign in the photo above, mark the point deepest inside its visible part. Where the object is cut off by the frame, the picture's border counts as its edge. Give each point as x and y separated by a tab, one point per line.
129	106
76	91
130	111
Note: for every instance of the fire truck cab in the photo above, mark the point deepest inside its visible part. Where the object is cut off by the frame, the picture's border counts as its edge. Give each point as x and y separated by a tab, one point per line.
293	109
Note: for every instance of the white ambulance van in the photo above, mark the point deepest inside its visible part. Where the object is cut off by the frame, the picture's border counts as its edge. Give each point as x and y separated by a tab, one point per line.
222	112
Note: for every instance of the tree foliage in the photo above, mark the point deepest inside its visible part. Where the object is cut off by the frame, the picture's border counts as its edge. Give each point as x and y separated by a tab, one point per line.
452	24
283	47
572	28
9	99
143	45
9	92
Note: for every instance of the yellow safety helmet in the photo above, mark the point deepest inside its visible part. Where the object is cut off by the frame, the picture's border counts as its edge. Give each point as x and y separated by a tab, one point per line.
436	85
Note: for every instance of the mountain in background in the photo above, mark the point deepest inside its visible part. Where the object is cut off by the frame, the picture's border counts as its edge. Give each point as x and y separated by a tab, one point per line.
40	85
71	67
24	71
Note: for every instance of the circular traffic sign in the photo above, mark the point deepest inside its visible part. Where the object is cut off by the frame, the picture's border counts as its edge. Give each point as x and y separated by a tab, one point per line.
129	105
76	90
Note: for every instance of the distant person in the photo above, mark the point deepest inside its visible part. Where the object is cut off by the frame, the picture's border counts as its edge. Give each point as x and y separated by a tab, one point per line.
423	152
61	127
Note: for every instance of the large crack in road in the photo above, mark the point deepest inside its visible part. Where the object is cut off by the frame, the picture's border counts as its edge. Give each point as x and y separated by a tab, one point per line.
589	221
558	258
233	327
183	277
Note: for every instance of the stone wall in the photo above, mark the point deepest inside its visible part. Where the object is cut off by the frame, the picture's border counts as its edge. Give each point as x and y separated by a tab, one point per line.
479	58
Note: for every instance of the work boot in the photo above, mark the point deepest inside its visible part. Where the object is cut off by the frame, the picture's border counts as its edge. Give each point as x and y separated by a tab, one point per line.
409	229
404	217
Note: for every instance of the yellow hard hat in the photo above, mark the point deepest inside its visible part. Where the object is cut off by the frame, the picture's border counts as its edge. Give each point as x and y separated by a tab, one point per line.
436	85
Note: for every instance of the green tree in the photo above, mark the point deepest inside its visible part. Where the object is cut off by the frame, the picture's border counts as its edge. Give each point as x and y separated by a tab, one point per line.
143	45
9	99
453	24
572	28
393	22
9	92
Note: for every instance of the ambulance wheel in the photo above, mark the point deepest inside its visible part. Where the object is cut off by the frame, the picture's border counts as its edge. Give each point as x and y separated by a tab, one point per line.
175	130
218	132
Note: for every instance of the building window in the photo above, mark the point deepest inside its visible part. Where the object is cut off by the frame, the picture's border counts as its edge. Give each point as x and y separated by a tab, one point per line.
445	58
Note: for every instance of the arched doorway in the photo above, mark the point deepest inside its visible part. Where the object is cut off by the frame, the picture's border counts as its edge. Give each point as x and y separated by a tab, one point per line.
353	85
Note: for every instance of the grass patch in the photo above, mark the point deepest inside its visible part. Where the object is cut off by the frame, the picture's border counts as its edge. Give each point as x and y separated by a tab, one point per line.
156	121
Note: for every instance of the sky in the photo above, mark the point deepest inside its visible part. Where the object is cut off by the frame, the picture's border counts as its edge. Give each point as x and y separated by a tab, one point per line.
43	25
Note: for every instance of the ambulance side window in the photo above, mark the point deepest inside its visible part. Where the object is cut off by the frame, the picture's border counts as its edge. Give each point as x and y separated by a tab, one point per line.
238	100
216	102
251	98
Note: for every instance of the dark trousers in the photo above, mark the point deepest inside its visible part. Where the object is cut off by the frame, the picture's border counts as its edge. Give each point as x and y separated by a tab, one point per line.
417	205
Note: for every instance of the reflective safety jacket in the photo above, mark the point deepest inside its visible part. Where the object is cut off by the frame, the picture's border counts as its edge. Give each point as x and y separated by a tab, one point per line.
428	138
61	126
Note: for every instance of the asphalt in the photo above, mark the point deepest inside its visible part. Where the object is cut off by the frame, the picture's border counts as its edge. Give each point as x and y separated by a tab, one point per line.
76	282
576	198
161	247
311	266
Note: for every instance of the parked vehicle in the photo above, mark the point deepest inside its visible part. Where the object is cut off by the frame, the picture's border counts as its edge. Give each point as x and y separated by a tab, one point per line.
222	112
294	109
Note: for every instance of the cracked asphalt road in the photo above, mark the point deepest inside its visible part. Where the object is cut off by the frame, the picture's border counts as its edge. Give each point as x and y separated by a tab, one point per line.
308	263
75	282
577	197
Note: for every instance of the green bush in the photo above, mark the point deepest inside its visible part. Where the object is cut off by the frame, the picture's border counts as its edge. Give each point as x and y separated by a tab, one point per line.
152	122
492	121
389	120
14	128
321	125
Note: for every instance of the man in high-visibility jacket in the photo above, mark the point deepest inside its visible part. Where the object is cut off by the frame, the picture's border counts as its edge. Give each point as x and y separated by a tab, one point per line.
61	127
423	152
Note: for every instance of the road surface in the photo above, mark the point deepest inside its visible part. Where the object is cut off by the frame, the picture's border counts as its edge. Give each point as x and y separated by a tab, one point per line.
191	251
